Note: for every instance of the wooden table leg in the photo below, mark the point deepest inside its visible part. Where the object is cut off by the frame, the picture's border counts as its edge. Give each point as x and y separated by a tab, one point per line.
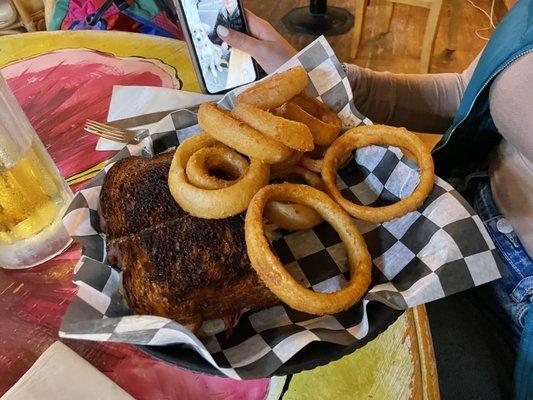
426	356
430	35
360	10
456	15
389	11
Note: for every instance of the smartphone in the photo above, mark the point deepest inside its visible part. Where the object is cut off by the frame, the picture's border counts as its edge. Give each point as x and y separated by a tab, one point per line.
219	67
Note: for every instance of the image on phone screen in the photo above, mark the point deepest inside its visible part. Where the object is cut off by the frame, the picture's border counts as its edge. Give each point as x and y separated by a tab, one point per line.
222	67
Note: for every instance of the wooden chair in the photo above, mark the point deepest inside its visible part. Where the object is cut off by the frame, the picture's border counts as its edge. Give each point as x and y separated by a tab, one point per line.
430	33
9	20
48	8
27	16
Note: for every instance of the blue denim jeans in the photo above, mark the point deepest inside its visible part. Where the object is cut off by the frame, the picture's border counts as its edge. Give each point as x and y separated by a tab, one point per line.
514	291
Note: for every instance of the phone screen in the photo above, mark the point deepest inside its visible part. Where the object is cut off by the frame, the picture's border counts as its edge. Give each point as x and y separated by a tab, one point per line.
222	67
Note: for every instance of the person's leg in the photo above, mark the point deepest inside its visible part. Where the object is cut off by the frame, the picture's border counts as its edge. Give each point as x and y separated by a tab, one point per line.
475	360
477	332
523	379
514	291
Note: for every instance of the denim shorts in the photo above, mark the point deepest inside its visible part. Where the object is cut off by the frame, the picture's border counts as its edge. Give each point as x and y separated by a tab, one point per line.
514	291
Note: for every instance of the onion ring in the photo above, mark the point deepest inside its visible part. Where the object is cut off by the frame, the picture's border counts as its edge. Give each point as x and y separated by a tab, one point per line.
289	162
300	173
379	134
240	136
292	134
215	158
323	122
313	160
276	89
291	216
212	204
275	276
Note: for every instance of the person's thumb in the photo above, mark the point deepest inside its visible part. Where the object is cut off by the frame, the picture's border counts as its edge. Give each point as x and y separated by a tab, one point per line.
239	40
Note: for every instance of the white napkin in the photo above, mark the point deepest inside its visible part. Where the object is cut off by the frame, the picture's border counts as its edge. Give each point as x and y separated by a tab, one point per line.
61	374
131	101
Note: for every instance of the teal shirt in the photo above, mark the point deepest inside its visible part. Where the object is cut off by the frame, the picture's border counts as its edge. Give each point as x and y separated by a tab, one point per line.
466	145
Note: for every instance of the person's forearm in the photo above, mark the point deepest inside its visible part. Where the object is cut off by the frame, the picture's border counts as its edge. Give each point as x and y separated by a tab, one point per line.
422	103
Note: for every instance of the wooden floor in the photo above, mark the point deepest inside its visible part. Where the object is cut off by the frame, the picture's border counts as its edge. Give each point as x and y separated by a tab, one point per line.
398	50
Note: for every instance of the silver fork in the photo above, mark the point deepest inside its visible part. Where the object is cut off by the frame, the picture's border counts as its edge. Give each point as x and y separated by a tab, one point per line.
112	133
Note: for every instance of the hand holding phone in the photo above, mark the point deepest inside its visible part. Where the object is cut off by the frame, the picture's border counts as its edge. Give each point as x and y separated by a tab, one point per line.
264	43
219	67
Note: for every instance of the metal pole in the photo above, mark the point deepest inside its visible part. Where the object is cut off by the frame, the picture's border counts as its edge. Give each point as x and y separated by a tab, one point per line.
318	6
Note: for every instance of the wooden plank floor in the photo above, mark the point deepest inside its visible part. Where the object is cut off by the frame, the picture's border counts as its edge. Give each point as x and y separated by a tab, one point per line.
399	50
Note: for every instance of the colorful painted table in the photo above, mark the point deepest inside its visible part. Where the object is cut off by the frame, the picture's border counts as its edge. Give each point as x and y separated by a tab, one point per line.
63	78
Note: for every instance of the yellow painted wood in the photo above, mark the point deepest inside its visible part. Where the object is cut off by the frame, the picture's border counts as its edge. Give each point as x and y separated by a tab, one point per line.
381	370
173	53
398	365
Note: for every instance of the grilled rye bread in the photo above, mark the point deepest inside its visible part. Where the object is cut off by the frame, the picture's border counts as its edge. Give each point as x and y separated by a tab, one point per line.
135	195
174	265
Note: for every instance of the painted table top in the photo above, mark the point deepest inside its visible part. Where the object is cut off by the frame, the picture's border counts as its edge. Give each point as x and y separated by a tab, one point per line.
63	78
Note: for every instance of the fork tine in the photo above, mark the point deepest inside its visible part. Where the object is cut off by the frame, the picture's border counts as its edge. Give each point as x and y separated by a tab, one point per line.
106	135
112	133
102	124
102	132
104	127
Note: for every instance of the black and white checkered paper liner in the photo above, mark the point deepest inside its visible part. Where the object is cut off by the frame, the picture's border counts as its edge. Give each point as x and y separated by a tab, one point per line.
440	249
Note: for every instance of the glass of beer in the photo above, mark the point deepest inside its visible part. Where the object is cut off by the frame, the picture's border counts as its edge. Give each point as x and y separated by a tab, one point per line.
33	195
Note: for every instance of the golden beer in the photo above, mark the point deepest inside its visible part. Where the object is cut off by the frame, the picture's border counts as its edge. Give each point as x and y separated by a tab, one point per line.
30	197
33	195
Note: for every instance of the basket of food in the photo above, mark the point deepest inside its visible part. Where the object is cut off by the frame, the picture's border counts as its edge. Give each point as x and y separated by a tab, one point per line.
280	233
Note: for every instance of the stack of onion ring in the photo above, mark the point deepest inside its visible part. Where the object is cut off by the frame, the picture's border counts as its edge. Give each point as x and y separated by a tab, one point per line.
213	203
293	159
256	130
290	216
250	130
313	160
292	134
371	135
240	136
220	158
277	278
323	122
276	132
276	89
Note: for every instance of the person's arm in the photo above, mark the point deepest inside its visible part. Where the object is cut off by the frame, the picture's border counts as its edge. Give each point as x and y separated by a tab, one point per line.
419	102
510	99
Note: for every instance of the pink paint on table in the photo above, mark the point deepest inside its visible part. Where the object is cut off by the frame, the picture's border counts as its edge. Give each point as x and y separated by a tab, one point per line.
60	90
